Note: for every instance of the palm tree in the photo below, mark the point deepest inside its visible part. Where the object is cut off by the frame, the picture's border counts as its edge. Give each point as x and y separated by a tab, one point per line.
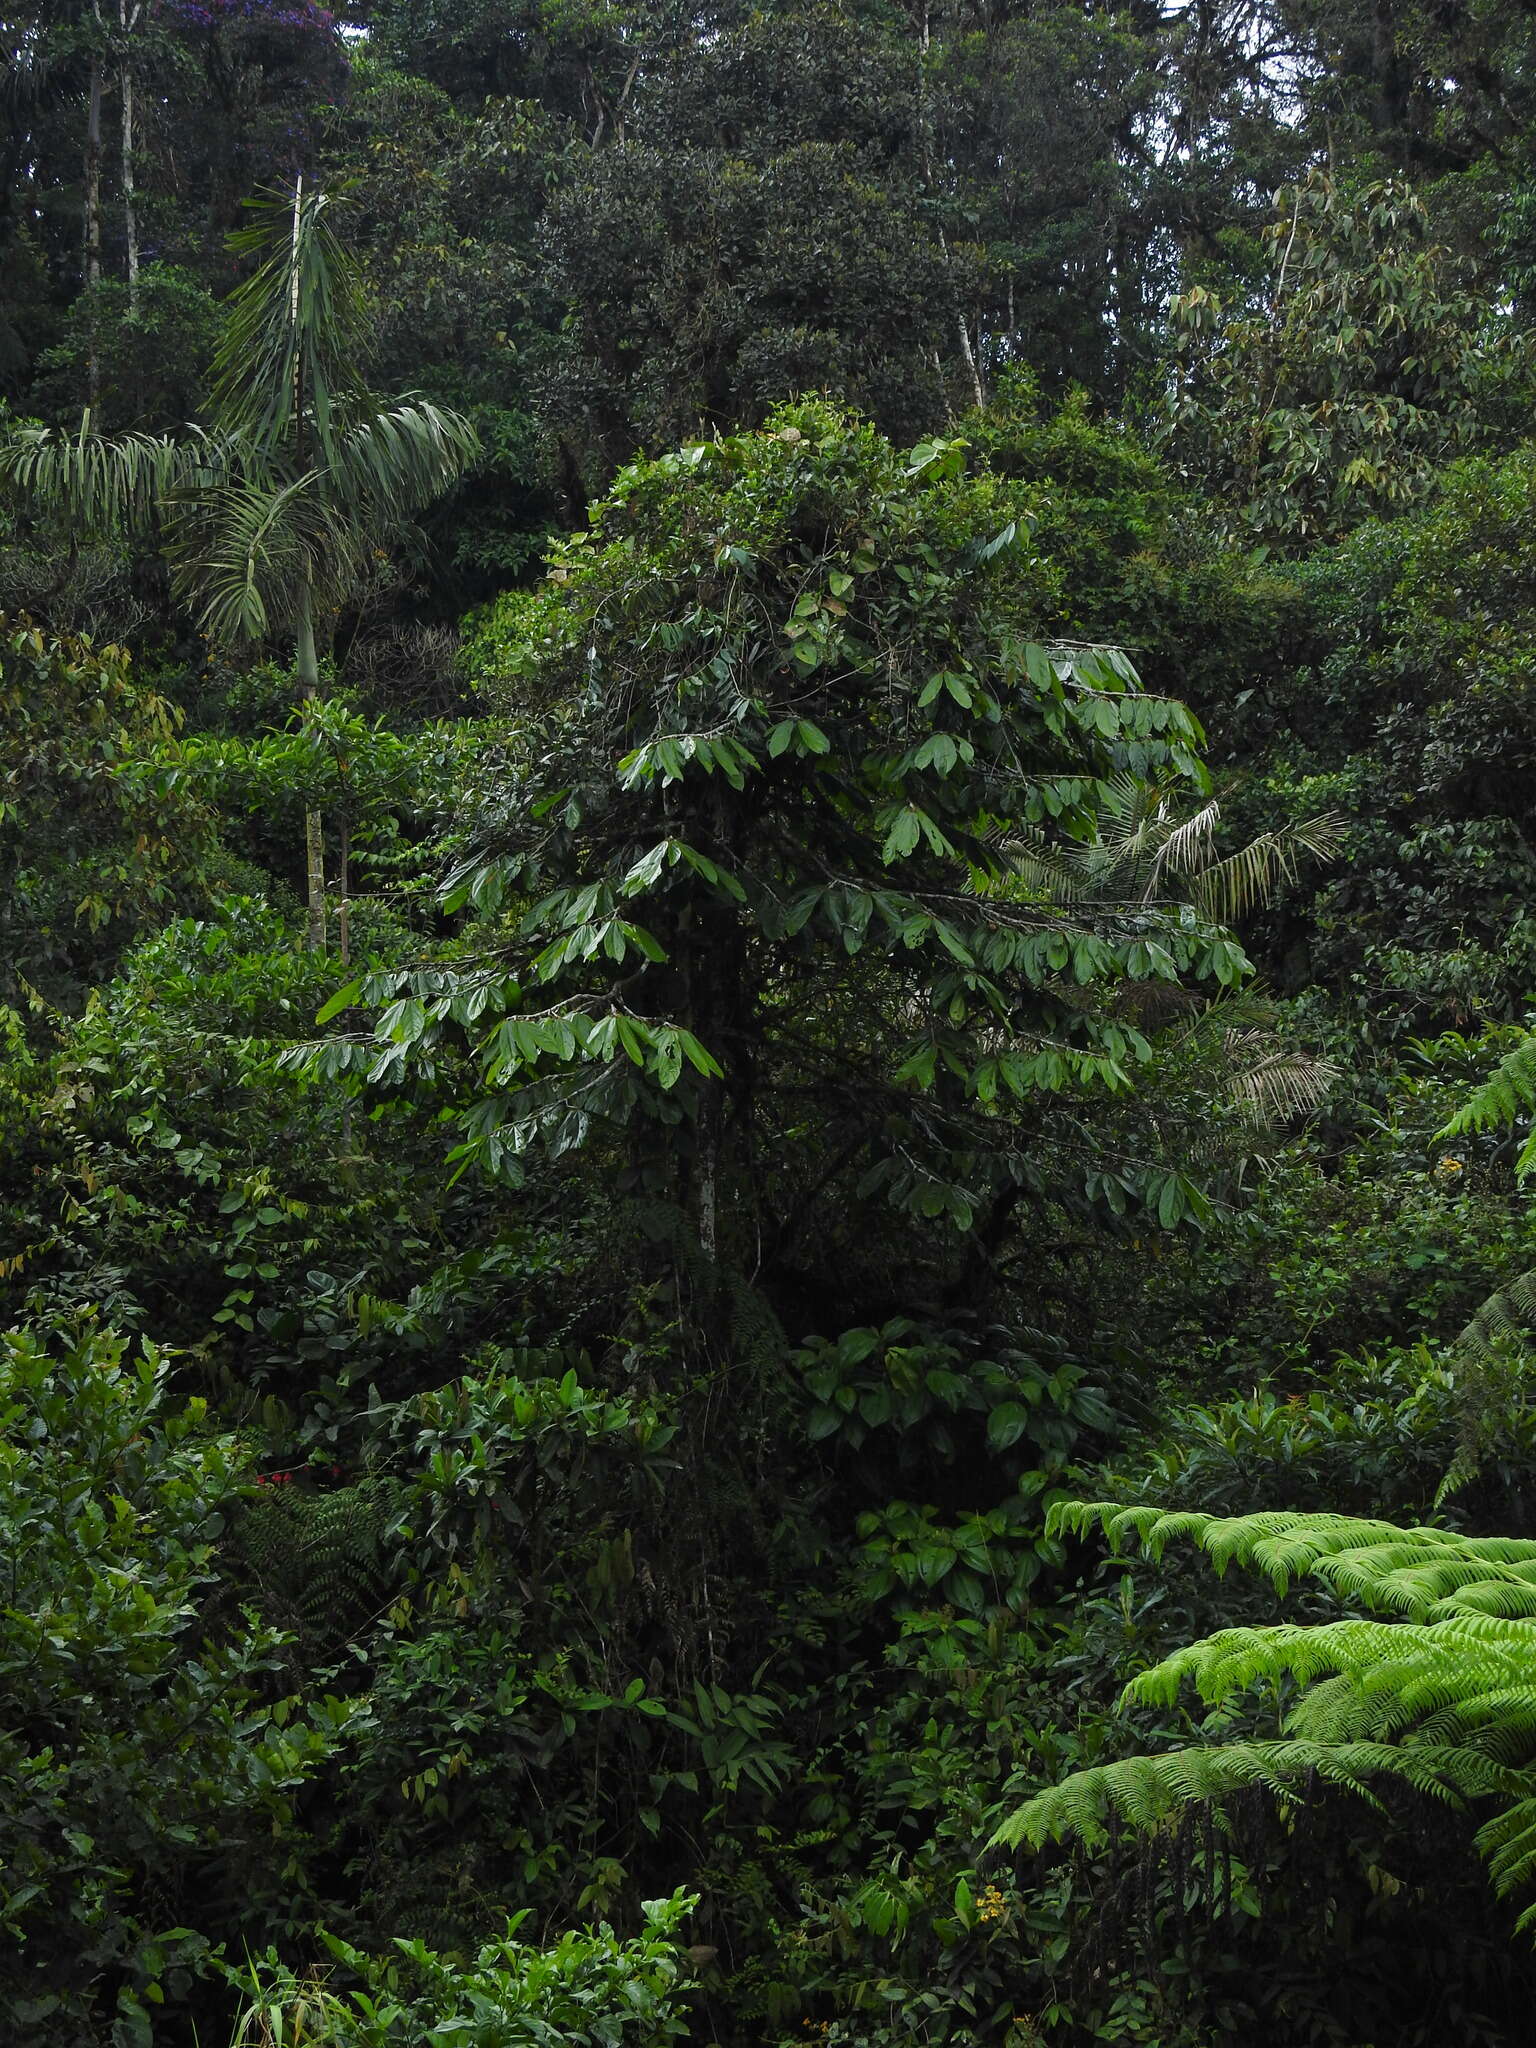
1149	852
1149	848
268	514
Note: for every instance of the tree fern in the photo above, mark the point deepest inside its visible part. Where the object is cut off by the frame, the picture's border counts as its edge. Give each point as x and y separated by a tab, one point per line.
1502	1325
1508	1094
1441	1698
325	1559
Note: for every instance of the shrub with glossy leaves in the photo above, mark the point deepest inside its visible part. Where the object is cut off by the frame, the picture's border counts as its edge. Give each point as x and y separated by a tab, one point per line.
592	1989
148	1764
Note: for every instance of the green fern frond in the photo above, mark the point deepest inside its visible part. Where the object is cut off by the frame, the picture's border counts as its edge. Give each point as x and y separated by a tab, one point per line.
1442	1699
1422	1574
1509	1314
326	1559
1508	1094
1508	1845
1146	1792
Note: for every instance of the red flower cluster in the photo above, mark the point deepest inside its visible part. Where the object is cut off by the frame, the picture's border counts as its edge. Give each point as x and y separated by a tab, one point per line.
285	1478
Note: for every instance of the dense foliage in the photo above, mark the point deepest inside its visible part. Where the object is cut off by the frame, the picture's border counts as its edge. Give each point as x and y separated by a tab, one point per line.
765	808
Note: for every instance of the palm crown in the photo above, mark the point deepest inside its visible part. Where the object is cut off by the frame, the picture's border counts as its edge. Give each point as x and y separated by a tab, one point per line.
268	512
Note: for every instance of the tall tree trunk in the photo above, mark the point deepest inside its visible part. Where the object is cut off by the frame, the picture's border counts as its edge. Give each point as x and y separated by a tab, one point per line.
925	130
344	943
968	355
92	210
344	892
92	214
314	831
707	1142
128	21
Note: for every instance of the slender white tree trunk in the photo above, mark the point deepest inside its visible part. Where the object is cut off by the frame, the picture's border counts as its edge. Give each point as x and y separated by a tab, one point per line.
314	830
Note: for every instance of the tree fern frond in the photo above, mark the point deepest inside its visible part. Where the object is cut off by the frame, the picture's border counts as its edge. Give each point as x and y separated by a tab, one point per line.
1508	1094
1508	1844
1423	1574
1511	1313
1146	1791
1444	1700
1426	1668
1501	1724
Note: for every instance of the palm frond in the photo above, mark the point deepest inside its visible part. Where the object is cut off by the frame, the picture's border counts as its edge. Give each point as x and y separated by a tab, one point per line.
1186	845
99	487
1228	889
1132	820
400	457
289	358
1270	1083
1037	867
242	550
302	473
1142	851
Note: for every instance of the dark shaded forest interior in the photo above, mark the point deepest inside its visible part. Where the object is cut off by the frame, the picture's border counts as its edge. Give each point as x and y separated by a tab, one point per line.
767	796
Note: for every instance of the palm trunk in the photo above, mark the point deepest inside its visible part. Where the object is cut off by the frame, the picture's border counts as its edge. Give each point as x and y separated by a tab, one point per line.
314	831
